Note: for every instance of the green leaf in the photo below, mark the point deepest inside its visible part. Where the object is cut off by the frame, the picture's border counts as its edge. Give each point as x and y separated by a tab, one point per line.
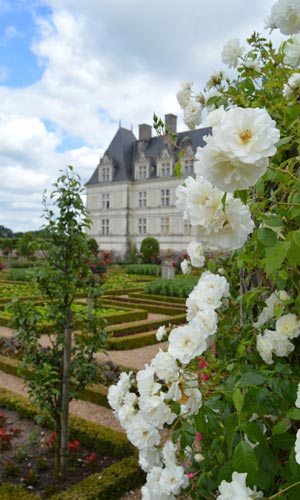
177	169
284	441
267	237
243	195
279	428
225	473
283	141
252	378
293	413
275	256
231	427
244	460
273	221
238	400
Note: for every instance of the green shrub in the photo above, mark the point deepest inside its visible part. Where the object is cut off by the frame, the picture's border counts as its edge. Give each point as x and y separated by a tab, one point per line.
20	274
144	269
180	287
150	250
20	264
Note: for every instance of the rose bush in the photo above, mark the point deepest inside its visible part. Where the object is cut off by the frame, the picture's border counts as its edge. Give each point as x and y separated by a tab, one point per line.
216	415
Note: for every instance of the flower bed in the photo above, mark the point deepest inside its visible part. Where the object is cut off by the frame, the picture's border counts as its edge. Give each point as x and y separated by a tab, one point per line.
115	480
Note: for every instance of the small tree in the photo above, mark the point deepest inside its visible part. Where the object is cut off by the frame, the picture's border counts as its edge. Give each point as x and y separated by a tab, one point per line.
58	373
150	250
27	246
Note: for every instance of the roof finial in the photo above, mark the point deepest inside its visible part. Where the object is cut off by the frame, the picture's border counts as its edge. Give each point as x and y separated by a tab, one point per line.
120	123
131	128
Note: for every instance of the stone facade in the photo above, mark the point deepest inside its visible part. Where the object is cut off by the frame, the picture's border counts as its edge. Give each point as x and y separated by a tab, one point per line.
131	194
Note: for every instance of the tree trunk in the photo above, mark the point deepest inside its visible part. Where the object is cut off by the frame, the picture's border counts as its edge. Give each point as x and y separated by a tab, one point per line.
64	449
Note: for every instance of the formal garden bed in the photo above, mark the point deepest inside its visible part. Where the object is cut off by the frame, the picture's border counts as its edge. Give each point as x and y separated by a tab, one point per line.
102	459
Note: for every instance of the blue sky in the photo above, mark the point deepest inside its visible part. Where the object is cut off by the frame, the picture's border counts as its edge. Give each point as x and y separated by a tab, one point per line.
71	70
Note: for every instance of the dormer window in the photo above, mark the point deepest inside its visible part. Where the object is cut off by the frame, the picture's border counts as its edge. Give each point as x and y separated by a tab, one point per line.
187	161
142	172
141	167
106	169
106	174
165	164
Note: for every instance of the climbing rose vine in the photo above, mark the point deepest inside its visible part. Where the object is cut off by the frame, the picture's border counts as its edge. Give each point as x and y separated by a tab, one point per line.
216	415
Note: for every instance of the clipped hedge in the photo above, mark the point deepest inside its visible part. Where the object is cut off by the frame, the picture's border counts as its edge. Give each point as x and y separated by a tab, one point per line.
12	492
146	305
145	326
144	269
95	393
179	287
109	484
121	291
158	298
132	341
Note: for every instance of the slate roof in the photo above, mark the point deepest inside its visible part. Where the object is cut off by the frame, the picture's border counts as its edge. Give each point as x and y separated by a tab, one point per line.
124	149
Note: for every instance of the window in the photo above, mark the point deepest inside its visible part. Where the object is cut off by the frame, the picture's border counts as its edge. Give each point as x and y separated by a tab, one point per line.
165	170
165	225
105	200
142	226
106	174
187	228
188	167
142	172
165	197
142	199
105	227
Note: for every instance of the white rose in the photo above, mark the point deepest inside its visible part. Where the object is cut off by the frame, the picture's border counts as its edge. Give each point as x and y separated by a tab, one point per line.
285	15
146	383
236	154
185	267
172	480
264	347
231	52
292	52
142	434
251	63
193	402
155	411
185	343
292	86
165	366
184	95
161	333
297	447
148	458
192	114
116	393
230	230
196	254
203	203
237	489
225	172
297	402
288	325
215	117
207	321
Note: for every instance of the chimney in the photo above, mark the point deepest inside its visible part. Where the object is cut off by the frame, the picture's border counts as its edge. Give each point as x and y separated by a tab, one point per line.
171	123
145	132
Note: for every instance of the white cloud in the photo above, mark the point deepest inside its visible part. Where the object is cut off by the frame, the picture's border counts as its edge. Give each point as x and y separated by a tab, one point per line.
103	62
